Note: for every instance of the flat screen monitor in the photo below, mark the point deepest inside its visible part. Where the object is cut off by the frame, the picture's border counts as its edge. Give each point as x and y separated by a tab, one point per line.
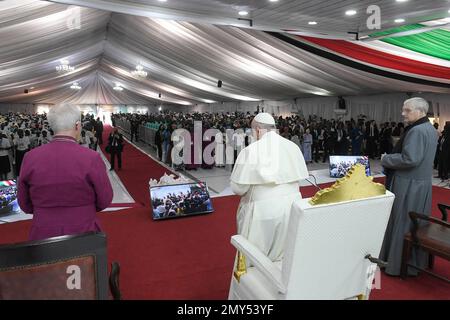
339	165
180	200
8	197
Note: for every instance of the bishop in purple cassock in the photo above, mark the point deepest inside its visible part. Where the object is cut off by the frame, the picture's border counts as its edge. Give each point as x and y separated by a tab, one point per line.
63	185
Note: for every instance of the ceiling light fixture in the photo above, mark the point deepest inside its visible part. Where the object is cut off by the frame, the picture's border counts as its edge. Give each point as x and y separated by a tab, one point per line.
118	87
75	86
350	12
64	66
399	20
243	13
312	23
401	0
139	72
321	92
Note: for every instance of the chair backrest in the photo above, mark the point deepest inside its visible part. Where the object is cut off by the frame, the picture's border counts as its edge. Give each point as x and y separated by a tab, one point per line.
326	247
67	267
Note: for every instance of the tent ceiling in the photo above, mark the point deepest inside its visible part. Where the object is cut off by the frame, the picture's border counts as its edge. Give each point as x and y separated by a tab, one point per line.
184	60
280	15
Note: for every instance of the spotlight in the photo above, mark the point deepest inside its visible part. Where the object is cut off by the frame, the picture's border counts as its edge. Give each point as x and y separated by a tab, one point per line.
159	96
219	83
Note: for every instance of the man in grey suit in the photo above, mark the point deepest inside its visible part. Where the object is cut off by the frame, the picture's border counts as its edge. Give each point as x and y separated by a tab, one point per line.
409	172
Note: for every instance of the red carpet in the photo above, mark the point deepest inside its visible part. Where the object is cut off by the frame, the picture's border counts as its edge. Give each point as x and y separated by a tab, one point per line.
192	258
137	169
188	258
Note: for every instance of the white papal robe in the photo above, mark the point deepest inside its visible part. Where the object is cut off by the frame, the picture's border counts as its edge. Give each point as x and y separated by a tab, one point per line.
267	175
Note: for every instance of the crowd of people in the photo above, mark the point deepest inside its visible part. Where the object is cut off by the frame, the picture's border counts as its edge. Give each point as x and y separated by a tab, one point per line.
316	137
20	133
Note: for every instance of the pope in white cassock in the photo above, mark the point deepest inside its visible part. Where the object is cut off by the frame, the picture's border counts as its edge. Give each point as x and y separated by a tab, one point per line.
266	176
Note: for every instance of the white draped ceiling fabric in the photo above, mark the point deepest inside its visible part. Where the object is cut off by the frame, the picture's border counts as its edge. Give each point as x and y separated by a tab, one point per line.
292	15
184	60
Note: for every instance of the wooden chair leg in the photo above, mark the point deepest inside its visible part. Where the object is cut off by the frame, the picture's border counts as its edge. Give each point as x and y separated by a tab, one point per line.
405	258
114	281
430	261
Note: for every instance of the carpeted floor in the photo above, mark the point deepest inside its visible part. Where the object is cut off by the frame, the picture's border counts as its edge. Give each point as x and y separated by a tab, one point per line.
137	169
192	258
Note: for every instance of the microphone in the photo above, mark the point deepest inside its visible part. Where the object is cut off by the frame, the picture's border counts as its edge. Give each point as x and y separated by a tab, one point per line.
313	183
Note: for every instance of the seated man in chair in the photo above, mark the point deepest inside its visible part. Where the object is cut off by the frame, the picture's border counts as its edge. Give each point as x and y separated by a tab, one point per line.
330	250
266	175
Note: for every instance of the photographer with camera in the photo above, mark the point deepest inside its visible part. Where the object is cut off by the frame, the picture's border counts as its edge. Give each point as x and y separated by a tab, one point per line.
115	148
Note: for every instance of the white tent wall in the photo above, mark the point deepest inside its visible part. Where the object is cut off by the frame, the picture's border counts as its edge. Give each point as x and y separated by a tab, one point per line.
27	108
385	107
283	107
441	106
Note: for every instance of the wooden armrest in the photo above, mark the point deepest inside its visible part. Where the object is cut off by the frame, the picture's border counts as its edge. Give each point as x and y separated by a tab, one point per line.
261	261
415	223
416	216
444	208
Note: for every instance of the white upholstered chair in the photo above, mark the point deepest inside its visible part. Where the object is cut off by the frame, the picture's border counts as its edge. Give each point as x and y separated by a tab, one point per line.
325	253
